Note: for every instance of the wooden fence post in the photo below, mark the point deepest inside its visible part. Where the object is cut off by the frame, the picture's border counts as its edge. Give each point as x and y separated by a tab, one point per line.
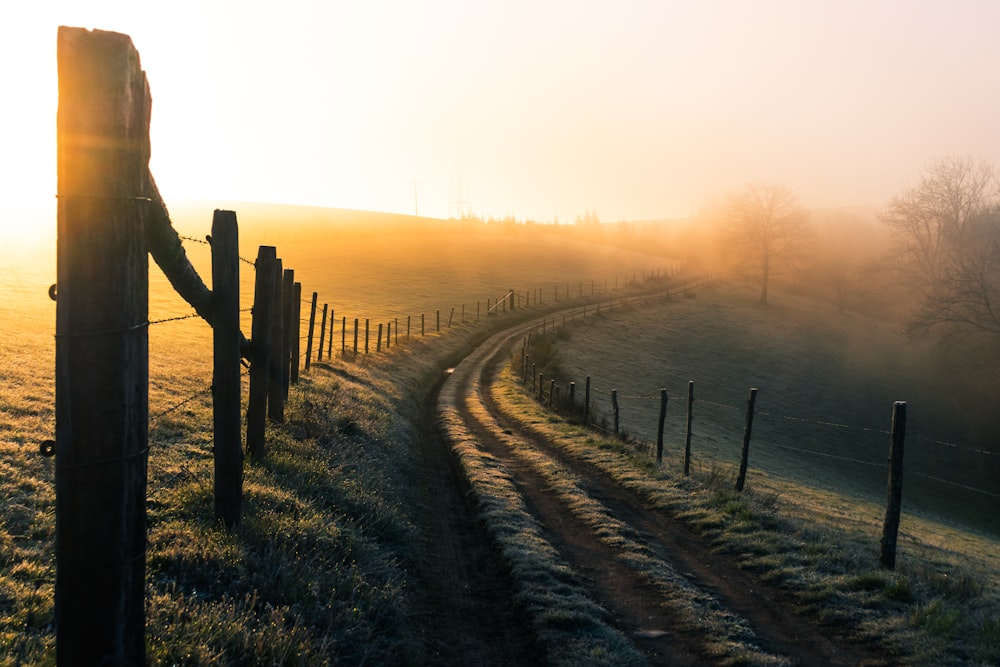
388	334
378	341
439	320
102	358
541	386
451	317
276	382
687	430
260	345
890	528
288	311
751	401
312	327
408	325
552	391
586	403
396	330
614	405
422	325
356	322
296	337
367	333
329	348
322	334
477	310
226	388
659	430
572	396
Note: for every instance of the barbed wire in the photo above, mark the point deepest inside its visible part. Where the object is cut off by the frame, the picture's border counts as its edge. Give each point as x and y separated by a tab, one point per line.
208	243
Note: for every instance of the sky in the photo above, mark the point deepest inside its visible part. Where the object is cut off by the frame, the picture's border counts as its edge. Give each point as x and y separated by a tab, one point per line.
541	109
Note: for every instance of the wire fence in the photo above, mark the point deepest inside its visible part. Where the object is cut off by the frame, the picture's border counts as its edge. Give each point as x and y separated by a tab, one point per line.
830	450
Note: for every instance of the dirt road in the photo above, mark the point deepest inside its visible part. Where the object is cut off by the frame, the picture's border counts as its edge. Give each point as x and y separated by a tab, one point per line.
660	583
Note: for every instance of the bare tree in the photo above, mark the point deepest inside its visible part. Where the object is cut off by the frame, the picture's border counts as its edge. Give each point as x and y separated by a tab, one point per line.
769	228
947	230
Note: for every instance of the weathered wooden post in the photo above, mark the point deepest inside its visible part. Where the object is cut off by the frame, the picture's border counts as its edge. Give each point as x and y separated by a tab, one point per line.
552	391
312	327
572	396
260	345
477	310
751	401
890	528
408	325
541	386
378	340
586	403
329	348
396	332
367	333
451	317
356	322
422	325
228	450
439	320
276	382
296	334
343	335
687	430
102	350
288	310
614	406
532	392
659	430
322	334
388	334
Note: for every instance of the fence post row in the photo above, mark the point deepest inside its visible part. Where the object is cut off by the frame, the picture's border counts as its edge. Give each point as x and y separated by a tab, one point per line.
226	389
102	357
260	342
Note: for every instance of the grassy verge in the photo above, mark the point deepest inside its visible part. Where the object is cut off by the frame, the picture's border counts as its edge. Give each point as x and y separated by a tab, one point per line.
940	605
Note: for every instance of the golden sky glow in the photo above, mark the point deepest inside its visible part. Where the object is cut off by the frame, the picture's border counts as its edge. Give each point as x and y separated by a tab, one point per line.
538	109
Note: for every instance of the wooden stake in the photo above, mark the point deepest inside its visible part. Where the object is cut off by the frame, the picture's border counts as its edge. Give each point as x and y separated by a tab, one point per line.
312	327
322	335
102	358
687	430
659	430
226	387
890	528
751	401
260	344
276	382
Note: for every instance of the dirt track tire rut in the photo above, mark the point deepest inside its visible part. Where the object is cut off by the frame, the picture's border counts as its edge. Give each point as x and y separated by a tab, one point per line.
778	628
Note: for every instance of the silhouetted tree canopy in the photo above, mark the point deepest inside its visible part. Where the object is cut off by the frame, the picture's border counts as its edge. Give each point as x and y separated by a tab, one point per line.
768	228
947	230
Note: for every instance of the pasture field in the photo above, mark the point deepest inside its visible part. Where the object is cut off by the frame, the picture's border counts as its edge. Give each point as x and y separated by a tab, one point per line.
827	383
339	583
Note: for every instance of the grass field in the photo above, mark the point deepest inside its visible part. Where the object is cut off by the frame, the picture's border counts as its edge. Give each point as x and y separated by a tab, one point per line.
346	573
827	383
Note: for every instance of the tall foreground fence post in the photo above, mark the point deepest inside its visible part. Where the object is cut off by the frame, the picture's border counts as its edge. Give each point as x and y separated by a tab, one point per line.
276	384
102	350
742	478
228	450
890	529
260	345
